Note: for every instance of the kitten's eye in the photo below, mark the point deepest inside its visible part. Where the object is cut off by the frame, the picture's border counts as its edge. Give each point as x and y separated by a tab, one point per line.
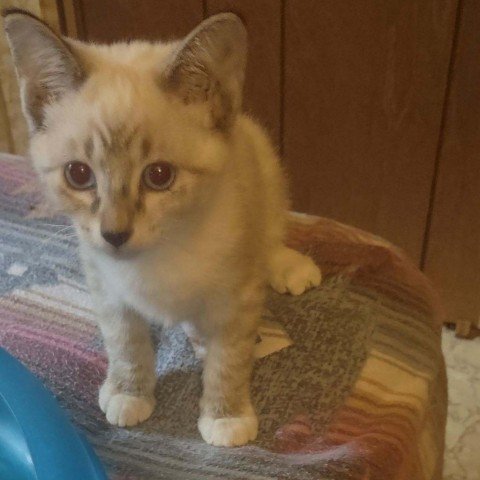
79	175
159	176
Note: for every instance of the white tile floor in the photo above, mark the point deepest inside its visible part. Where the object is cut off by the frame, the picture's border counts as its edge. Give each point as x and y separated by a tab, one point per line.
462	457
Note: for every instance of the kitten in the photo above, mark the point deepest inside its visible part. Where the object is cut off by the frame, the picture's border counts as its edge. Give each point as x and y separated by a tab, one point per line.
177	197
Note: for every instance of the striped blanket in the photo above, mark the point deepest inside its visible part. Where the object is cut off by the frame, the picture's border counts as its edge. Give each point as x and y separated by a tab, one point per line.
359	394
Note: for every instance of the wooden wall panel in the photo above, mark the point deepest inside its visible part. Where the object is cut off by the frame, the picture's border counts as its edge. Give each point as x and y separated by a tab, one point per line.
453	251
111	20
263	81
364	89
49	12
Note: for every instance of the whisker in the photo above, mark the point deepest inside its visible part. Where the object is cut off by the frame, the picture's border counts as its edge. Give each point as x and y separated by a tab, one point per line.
58	233
57	225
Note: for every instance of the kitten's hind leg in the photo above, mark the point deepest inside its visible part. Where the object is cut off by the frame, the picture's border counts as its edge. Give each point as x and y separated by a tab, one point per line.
126	397
196	340
291	272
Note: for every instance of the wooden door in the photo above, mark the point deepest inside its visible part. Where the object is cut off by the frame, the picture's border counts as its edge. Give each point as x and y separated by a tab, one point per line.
453	243
363	98
112	20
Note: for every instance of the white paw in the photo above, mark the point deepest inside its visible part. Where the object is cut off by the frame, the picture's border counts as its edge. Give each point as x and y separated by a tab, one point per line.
228	431
122	409
292	272
200	351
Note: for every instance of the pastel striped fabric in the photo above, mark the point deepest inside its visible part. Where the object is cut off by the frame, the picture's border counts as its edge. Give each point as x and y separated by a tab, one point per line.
360	394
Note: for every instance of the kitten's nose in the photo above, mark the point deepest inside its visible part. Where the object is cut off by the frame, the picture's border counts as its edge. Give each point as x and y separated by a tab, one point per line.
116	238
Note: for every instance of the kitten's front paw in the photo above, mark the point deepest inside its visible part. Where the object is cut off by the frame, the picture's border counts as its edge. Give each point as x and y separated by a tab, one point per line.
122	409
292	272
228	431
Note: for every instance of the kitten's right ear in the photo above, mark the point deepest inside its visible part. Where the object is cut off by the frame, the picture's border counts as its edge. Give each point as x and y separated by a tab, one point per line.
46	66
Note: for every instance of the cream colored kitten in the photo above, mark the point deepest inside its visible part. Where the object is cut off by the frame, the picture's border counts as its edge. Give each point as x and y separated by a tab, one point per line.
177	197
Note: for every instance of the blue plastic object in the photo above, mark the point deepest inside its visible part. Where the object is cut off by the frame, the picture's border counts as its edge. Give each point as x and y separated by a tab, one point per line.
37	441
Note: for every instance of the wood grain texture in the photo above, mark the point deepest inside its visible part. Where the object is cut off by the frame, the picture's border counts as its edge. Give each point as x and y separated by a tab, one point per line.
453	251
364	89
263	81
111	20
68	17
49	12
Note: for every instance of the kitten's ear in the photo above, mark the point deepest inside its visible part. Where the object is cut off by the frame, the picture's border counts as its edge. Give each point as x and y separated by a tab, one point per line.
46	66
209	67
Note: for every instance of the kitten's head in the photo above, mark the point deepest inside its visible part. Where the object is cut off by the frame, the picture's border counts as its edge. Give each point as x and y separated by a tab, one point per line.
130	139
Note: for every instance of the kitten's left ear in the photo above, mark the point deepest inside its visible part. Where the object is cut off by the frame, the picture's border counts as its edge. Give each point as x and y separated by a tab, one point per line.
209	67
45	64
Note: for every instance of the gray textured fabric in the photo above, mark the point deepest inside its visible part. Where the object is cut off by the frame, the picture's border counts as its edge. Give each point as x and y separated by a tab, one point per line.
330	328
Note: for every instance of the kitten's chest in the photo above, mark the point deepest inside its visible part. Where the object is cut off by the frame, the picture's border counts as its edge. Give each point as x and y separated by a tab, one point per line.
163	291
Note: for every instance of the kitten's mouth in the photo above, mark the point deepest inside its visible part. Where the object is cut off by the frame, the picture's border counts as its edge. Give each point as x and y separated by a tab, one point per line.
124	252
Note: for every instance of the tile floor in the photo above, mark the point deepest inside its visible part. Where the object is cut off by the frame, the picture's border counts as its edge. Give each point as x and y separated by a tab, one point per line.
462	457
